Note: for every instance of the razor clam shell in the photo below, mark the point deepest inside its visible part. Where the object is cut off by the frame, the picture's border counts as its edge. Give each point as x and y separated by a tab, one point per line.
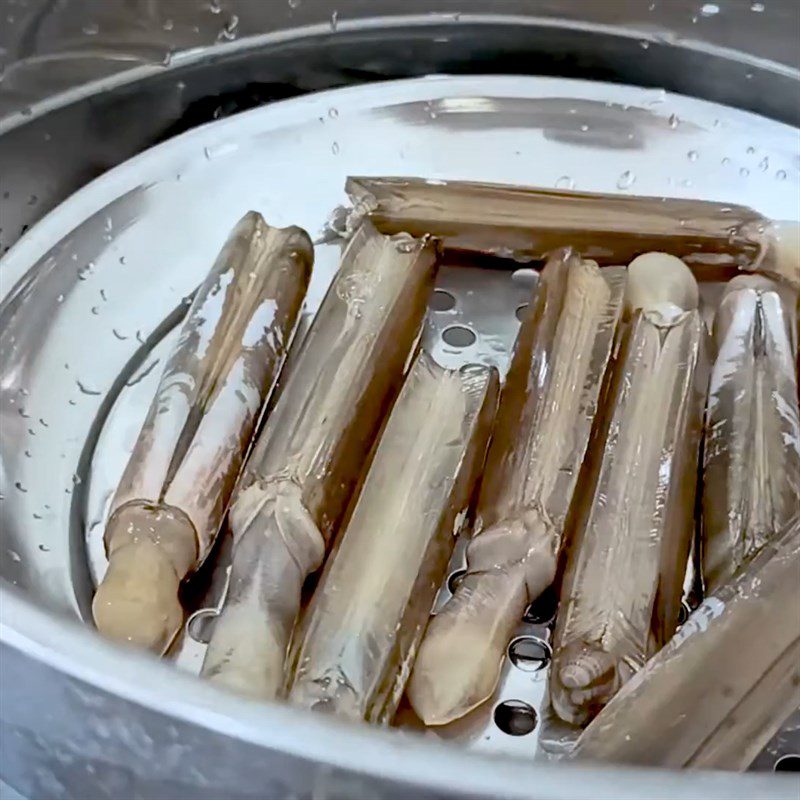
529	223
371	607
723	685
230	350
540	437
311	454
752	446
631	533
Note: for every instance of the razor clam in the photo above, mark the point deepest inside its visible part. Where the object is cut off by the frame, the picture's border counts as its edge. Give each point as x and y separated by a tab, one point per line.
722	686
311	454
176	487
371	607
752	450
631	533
530	223
540	437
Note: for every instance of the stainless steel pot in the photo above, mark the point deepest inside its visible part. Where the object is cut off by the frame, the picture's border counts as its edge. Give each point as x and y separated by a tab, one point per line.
92	84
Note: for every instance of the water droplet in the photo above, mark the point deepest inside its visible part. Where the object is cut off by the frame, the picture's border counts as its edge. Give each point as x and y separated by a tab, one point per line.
15	556
122	260
333	112
430	110
709	10
24	414
28	454
744	172
95	310
781	175
693	155
36	516
584	128
33	200
44	549
76	479
763	165
565	182
334	20
750	150
626	180
91	29
335	148
644	44
757	7
725	161
20	487
294	3
108	224
85	271
119	336
214	6
674	121
87	390
60	298
168	25
228	32
43	423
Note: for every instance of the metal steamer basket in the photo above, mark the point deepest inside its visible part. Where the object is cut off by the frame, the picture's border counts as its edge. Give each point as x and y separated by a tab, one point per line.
118	185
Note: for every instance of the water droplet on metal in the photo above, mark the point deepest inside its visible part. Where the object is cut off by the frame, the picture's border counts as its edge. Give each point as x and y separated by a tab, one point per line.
709	10
757	7
95	310
674	121
693	155
744	172
33	200
335	148
214	6
725	161
333	112
122	260
228	31
294	3
20	487
91	29
168	25
565	182
763	165
87	390
750	150
15	556
584	128
60	298
626	180
334	20
76	479
644	44
85	271
781	175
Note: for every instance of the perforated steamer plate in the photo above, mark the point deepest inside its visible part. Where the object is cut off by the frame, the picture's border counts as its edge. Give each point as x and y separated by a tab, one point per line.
93	293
